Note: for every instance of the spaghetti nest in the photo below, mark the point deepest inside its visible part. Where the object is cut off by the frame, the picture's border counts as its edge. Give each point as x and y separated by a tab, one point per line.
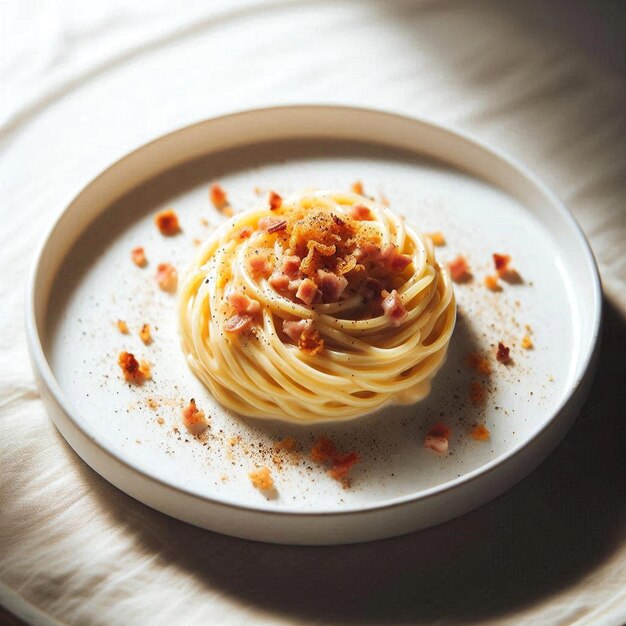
322	307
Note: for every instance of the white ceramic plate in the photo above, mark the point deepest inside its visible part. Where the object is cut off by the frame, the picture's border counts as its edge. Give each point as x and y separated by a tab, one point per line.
83	281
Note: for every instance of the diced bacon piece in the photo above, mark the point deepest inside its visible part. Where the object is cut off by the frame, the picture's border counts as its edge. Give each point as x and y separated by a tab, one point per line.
167	277
331	285
242	304
194	419
341	465
371	290
459	270
501	262
324	450
272	224
138	257
122	326
437	438
503	355
260	265
400	262
262	479
218	197
279	281
491	282
293	329
437	238
394	309
238	324
167	222
311	342
480	433
275	201
307	290
134	372
387	254
360	212
145	335
290	265
357	187
367	251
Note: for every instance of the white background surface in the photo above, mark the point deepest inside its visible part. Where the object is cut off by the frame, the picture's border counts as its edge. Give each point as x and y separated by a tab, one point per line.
83	83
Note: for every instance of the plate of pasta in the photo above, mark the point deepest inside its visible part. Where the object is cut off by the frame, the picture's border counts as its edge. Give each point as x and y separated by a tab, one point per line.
314	324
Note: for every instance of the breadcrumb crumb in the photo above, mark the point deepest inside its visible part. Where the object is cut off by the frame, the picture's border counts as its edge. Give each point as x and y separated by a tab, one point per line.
491	282
262	479
167	222
122	326
459	270
134	371
138	257
357	187
437	238
145	335
478	393
167	277
480	433
527	342
194	419
479	362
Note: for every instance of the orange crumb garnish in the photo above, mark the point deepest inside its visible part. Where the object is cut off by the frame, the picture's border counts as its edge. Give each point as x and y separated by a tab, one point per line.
145	335
491	282
478	393
288	443
324	451
167	277
218	197
501	262
459	270
506	273
527	343
134	372
196	242
437	238
160	421
275	201
357	187
479	362
262	479
480	432
204	221
122	327
138	256
194	419
167	222
311	342
503	355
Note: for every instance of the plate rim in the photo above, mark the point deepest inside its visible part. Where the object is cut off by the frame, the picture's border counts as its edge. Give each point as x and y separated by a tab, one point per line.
44	372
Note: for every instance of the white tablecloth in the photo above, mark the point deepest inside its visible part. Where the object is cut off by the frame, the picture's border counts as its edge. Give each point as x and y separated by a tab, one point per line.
82	83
